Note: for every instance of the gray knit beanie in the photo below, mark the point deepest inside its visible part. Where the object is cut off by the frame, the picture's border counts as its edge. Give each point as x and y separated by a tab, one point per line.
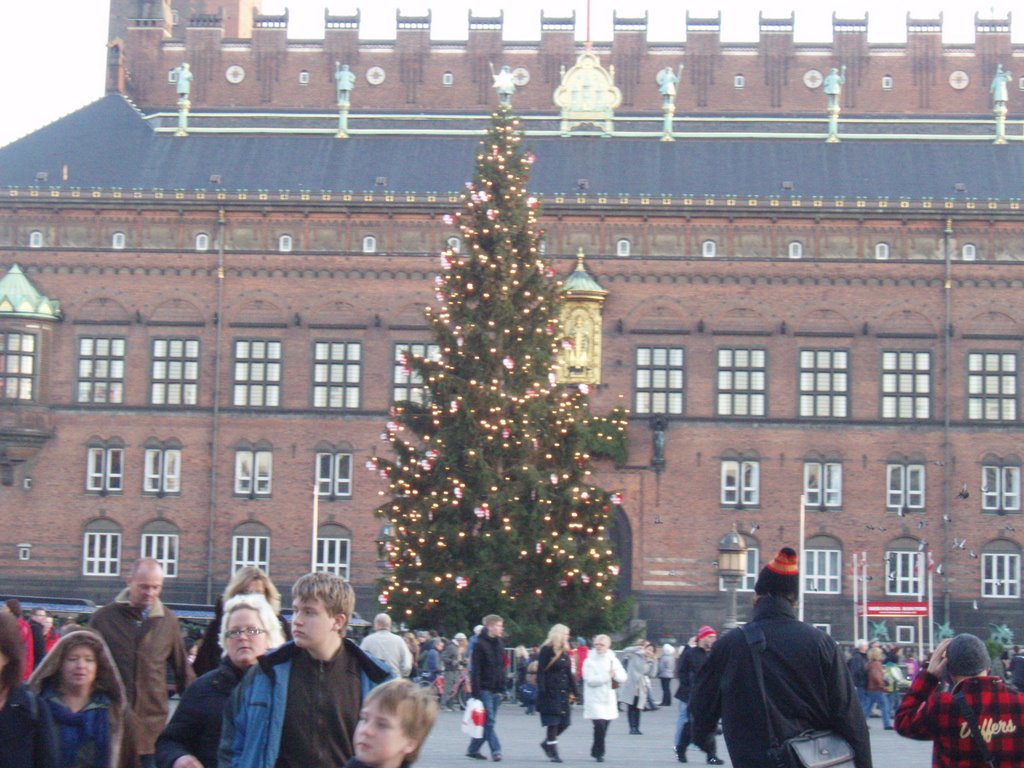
967	656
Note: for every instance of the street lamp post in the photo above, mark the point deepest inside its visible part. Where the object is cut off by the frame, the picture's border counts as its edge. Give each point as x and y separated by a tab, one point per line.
732	565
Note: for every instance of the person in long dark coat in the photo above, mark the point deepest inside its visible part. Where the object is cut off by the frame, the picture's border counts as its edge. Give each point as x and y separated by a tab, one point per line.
556	687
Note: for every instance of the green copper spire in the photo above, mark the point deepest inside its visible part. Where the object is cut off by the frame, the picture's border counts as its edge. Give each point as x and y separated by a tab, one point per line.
581	281
20	298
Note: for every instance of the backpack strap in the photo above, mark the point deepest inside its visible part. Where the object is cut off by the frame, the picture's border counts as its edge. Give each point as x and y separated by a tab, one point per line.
972	720
756	642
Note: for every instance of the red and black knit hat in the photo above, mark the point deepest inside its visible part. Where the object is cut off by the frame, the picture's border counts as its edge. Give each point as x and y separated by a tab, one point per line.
781	576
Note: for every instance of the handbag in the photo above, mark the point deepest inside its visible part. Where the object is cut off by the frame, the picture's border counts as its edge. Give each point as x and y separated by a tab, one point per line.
811	749
611	676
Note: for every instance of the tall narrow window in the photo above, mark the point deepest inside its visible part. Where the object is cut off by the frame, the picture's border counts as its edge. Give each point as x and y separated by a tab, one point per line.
104	469
740	483
709	249
623	247
101	369
35	239
162	471
905	488
369	244
334	474
117	241
202	242
257	373
823	484
796	250
1000	487
253	472
17	365
881	251
741	382
284	243
337	374
969	252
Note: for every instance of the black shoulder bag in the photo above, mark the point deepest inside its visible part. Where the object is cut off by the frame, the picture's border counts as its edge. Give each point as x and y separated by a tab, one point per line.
972	720
811	749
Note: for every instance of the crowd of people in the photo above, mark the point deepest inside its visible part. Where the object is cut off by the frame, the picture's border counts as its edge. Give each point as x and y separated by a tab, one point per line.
264	692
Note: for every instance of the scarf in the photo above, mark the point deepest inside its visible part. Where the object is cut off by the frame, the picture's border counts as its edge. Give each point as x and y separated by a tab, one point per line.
84	735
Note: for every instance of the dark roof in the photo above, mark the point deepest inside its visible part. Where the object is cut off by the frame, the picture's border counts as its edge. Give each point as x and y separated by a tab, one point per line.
108	144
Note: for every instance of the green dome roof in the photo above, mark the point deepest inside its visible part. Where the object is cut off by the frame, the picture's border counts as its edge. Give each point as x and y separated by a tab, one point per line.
20	298
581	281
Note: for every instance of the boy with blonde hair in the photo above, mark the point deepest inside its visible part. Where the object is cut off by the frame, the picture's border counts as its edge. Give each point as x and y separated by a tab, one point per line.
393	724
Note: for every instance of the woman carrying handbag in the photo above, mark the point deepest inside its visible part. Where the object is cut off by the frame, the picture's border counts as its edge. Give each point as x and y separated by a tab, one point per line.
602	675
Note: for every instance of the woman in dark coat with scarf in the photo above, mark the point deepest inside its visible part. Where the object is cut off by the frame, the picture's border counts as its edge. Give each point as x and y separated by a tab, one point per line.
556	686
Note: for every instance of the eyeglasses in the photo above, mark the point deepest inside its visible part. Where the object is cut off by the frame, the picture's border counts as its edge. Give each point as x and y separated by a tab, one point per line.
234	634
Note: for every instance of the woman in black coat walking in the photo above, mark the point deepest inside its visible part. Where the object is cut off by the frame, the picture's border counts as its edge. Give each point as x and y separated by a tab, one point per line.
556	687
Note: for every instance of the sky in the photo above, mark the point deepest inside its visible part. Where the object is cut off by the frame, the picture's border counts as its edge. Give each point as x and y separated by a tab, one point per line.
53	52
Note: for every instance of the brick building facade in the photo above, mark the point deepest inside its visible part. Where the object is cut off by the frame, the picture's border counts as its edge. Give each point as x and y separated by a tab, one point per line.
792	317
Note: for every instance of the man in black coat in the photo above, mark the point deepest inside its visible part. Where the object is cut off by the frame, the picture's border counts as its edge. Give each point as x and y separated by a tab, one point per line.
689	666
806	681
487	679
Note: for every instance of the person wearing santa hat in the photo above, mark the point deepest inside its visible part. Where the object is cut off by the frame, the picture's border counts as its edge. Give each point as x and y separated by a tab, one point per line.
806	682
690	664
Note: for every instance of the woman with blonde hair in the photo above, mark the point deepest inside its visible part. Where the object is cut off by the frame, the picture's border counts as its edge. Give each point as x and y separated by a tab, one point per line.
556	686
247	580
601	671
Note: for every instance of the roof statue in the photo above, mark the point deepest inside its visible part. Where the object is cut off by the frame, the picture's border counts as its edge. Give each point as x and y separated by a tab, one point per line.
667	80
504	84
833	85
587	95
344	81
183	78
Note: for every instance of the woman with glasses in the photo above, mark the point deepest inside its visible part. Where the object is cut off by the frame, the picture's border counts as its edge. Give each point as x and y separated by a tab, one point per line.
248	630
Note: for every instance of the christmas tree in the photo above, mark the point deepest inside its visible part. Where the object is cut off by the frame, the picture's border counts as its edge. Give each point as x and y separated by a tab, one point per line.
492	507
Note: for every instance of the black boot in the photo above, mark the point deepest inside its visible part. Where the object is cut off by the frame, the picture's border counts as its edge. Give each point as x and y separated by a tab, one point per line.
552	750
715	760
545	747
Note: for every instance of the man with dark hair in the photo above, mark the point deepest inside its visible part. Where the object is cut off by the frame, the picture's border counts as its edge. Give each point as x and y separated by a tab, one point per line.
37	623
978	722
144	639
806	682
487	681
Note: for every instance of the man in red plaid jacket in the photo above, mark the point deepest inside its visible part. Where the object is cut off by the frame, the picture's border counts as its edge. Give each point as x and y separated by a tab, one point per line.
931	714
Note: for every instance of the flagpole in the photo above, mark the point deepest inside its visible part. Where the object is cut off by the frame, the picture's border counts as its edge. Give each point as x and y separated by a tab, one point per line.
803	563
316	525
856	578
864	593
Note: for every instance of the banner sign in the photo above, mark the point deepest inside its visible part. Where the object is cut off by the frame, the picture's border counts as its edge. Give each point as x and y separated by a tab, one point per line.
896	610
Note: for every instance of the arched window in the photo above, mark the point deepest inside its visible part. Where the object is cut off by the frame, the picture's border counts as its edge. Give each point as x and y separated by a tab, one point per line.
739	82
160	541
454	244
1000	569
35	239
903	567
623	247
284	243
887	82
709	249
969	252
369	244
881	251
250	545
303	77
333	545
447	79
117	241
796	250
202	242
101	548
823	565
